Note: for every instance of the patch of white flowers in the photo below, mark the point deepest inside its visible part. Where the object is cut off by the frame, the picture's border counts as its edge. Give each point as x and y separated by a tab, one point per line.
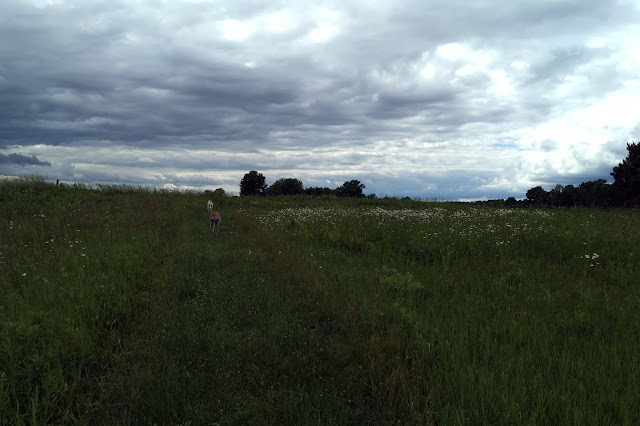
592	258
305	214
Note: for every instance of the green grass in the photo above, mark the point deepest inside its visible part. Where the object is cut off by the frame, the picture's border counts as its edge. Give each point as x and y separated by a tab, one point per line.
118	307
72	262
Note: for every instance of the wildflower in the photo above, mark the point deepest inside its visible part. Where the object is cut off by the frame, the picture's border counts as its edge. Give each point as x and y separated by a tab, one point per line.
24	274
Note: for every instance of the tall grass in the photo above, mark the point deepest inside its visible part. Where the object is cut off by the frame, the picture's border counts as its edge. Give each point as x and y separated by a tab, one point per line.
491	314
72	261
117	306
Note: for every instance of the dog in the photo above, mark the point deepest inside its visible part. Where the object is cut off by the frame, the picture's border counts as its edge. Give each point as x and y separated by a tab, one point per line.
209	206
215	220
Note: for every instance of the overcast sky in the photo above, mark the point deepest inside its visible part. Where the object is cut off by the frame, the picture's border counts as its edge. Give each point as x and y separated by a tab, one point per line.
455	99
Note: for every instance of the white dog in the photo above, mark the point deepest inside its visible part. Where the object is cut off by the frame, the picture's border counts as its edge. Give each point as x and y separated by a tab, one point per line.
209	206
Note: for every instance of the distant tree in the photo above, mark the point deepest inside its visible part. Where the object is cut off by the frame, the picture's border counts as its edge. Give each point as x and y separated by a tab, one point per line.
562	196
217	193
569	196
253	183
498	202
286	186
626	175
594	193
511	202
553	196
537	196
319	192
352	188
372	196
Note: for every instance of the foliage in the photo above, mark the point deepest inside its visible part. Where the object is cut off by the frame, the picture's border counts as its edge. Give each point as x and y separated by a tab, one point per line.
219	192
253	183
286	186
537	196
352	188
594	193
626	175
597	193
319	192
625	190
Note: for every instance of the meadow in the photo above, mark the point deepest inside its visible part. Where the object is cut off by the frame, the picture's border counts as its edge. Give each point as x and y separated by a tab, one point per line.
117	307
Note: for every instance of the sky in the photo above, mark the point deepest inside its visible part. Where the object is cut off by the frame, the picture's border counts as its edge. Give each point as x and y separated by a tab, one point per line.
453	100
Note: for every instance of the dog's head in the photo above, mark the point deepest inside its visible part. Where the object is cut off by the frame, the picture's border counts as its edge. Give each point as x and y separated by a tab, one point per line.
209	205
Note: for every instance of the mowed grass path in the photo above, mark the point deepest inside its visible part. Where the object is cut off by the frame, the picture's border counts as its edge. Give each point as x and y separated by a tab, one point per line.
224	340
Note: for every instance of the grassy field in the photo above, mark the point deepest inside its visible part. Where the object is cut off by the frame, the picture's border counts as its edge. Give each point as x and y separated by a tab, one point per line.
117	307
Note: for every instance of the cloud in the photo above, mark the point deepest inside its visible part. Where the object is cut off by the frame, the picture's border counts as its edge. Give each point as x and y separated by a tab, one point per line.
468	98
22	160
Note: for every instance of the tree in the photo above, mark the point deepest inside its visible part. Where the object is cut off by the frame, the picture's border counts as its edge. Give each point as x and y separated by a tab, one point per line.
217	193
319	192
594	193
253	183
568	196
286	186
626	175
353	188
511	202
563	196
537	196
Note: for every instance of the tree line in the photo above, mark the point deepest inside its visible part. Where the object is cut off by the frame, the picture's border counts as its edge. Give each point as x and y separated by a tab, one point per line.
254	183
623	192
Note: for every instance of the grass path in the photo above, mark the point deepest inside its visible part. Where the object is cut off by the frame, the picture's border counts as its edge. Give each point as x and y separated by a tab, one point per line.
222	341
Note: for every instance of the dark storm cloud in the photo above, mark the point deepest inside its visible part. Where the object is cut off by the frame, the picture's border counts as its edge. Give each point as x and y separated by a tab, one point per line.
22	160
